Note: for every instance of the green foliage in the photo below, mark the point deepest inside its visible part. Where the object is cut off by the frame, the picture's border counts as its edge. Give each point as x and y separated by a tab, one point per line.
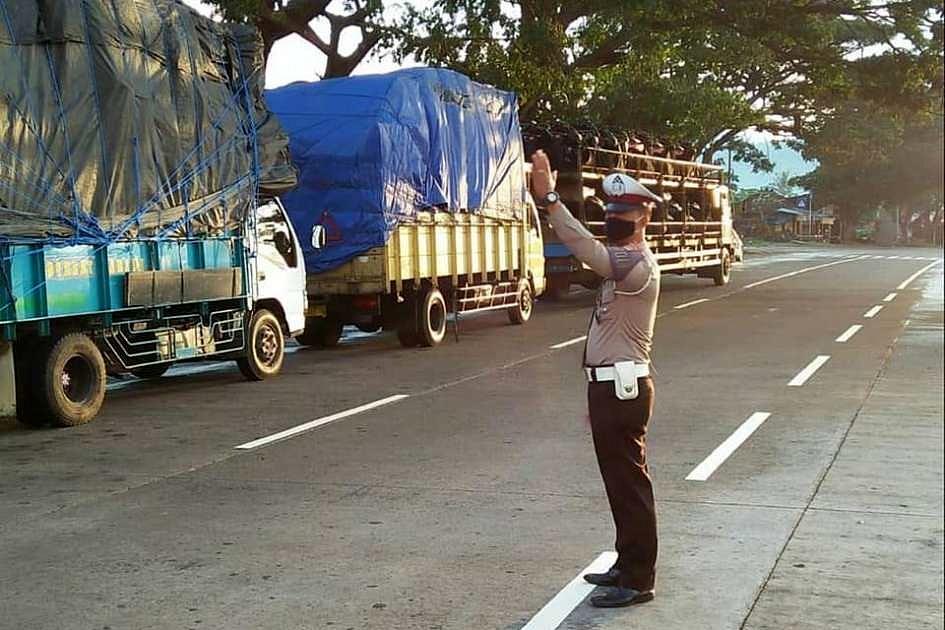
699	70
881	143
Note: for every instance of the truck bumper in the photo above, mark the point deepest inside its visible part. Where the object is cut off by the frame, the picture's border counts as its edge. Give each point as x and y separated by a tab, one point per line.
7	382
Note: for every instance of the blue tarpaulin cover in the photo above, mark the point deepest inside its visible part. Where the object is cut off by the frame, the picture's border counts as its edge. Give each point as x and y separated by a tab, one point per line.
372	151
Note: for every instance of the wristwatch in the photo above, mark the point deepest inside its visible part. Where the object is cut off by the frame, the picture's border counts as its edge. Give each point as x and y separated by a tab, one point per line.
549	199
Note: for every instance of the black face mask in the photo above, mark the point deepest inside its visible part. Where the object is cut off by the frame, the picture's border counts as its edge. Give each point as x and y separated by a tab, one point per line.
618	230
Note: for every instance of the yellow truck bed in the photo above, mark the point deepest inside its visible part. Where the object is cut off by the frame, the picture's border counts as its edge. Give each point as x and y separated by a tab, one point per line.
467	248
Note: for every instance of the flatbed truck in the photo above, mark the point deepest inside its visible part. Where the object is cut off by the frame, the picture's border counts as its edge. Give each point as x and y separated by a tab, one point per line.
72	314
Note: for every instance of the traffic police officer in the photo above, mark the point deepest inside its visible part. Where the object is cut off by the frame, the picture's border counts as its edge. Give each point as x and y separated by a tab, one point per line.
617	366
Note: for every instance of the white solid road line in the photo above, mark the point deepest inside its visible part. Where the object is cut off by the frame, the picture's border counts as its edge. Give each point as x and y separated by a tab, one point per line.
704	470
800	271
569	342
557	610
870	314
849	332
807	372
693	303
308	426
918	273
890	297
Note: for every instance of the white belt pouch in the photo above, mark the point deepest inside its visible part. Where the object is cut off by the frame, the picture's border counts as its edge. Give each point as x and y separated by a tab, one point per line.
625	380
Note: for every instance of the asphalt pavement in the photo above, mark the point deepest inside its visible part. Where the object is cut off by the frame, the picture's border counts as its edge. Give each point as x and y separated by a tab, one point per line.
796	449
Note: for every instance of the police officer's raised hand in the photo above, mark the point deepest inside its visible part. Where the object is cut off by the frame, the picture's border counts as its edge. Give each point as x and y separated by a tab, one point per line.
543	179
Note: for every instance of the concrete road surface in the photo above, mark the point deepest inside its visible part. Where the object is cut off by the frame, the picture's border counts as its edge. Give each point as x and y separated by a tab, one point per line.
796	448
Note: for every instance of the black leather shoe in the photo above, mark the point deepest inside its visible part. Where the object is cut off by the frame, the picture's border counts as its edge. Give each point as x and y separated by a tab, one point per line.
603	579
619	596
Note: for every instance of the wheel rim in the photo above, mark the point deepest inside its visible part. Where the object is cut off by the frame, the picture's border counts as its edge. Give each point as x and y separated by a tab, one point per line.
76	379
437	317
526	302
267	346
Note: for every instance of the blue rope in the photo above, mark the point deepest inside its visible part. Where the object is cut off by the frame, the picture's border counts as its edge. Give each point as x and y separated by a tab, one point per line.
57	91
29	116
45	193
95	94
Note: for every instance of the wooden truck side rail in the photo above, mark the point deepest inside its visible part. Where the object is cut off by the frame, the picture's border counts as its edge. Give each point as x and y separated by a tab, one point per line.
464	248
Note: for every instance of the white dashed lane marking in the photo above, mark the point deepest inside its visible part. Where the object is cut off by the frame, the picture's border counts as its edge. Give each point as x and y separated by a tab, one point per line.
308	426
890	297
569	342
715	459
557	610
848	333
693	303
800	271
870	314
905	283
804	375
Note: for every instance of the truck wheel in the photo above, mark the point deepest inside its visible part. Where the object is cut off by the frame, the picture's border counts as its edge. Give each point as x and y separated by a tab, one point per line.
321	332
558	286
27	357
408	331
150	371
722	273
72	386
331	331
432	317
265	349
522	311
370	327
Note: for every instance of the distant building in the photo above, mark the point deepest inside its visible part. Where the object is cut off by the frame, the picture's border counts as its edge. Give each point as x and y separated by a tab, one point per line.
767	214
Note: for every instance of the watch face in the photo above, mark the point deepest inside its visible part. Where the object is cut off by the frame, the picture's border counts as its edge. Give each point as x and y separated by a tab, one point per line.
551	198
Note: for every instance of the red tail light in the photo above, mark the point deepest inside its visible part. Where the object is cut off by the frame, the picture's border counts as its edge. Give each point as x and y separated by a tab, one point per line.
364	302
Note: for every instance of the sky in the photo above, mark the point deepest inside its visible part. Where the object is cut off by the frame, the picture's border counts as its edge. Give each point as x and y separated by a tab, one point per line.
294	59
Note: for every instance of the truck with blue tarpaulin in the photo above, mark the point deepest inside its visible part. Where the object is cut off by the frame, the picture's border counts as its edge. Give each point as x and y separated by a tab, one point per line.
411	204
140	222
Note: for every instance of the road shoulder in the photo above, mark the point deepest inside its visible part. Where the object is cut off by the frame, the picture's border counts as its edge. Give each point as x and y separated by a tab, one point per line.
867	553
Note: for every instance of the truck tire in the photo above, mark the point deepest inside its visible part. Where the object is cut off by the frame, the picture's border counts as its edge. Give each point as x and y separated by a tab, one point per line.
72	385
27	356
332	330
524	303
369	327
408	329
150	371
321	332
722	272
432	318
265	347
558	286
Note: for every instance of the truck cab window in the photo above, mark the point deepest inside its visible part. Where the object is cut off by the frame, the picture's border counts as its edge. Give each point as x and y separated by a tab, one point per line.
274	230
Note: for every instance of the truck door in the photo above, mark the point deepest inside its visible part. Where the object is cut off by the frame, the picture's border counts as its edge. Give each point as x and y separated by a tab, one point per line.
280	268
535	248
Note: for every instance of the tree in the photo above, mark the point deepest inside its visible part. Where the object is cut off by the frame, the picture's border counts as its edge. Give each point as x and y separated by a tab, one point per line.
784	184
696	70
276	19
881	144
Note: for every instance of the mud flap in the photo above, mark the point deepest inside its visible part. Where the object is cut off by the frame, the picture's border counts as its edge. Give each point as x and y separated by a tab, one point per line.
7	382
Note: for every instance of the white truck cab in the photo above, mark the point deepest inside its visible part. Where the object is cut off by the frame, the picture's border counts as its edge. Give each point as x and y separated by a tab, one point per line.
277	288
279	265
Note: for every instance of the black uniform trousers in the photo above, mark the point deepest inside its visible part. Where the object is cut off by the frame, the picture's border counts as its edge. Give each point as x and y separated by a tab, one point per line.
619	430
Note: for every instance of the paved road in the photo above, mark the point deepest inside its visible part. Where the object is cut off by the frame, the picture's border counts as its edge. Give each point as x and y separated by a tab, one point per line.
471	497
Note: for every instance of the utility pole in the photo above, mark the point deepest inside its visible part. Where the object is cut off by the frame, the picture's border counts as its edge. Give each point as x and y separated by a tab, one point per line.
810	214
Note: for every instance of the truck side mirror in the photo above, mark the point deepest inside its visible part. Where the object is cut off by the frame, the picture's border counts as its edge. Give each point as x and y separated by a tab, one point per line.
319	236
